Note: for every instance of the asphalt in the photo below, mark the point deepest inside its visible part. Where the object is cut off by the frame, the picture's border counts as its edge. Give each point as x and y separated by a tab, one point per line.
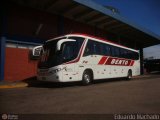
113	96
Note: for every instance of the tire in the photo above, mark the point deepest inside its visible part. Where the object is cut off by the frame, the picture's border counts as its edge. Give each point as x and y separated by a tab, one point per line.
129	75
87	78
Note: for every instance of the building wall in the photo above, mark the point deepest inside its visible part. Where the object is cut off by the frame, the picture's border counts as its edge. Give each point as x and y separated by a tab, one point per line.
18	65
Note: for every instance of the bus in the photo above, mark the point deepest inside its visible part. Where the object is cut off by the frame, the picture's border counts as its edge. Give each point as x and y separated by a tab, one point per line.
80	57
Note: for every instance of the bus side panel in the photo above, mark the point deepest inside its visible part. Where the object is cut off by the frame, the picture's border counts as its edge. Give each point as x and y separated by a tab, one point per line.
100	71
85	63
70	73
119	71
136	67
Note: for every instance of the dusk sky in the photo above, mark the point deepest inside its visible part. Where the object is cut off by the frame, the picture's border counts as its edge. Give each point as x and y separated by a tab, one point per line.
145	13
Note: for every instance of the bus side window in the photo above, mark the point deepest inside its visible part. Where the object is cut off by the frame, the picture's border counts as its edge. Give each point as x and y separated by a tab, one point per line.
89	50
123	53
129	54
68	51
115	51
136	56
106	50
97	48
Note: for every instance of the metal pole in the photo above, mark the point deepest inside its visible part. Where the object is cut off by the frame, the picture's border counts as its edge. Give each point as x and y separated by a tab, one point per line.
141	61
3	23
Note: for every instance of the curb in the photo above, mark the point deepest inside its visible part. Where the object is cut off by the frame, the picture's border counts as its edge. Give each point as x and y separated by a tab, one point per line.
13	85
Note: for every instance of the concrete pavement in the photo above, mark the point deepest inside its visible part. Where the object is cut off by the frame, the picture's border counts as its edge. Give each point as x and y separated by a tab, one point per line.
140	95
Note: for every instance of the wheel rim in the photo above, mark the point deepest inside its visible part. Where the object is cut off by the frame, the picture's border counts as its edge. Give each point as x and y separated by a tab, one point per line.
129	77
87	78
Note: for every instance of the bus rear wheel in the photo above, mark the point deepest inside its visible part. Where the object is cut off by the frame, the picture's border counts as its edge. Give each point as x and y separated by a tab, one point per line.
129	75
87	78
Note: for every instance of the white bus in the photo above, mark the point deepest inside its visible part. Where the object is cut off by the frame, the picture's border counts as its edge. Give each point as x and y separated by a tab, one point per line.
79	57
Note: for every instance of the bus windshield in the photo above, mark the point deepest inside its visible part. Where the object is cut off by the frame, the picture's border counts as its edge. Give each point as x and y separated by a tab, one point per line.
69	51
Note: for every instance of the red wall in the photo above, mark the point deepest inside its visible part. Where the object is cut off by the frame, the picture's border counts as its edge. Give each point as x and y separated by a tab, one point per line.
18	66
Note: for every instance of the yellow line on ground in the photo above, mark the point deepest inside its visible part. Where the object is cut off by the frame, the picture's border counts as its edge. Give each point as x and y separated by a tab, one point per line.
14	85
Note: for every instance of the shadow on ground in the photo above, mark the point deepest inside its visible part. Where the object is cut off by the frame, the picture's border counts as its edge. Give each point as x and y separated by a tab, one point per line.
33	82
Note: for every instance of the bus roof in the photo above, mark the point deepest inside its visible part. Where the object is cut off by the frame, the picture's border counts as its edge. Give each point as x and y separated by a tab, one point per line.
94	38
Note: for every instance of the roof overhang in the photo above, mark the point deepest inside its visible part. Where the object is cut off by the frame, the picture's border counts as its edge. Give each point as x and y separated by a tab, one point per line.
88	12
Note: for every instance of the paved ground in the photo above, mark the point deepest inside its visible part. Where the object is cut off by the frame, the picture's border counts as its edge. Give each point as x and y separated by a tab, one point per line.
140	95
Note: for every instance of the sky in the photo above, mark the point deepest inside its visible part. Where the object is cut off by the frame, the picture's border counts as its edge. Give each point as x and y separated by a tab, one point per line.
145	13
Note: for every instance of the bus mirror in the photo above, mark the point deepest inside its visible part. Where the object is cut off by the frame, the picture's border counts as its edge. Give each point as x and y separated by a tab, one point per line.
59	43
35	53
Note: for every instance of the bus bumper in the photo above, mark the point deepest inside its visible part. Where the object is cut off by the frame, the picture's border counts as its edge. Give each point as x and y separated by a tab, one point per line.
52	78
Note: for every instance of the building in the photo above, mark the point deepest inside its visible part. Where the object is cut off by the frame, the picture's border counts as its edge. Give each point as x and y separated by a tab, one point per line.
28	23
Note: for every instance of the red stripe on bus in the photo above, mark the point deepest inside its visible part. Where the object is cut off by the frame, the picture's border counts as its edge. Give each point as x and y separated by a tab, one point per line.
132	63
102	60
